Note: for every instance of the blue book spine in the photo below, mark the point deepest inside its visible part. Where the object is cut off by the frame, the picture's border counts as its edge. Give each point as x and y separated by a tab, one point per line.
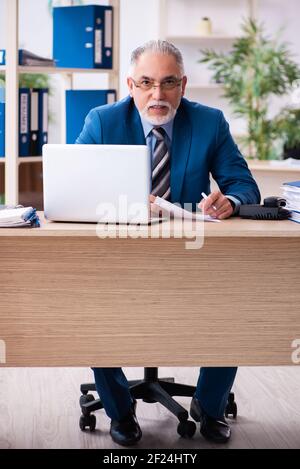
43	94
83	36
2	57
24	121
78	105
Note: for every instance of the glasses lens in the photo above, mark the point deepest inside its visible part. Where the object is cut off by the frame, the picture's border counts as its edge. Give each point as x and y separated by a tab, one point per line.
145	84
169	84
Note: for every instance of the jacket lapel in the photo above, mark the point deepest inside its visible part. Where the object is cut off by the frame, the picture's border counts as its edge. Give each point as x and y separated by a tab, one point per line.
180	150
133	125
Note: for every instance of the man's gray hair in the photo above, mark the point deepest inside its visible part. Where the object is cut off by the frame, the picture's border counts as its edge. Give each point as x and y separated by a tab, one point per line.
159	47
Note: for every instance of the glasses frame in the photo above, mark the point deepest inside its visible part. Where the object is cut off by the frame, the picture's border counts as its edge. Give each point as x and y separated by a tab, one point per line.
138	85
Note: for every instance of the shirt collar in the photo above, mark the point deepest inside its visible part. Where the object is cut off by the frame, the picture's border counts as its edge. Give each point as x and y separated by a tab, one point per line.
147	127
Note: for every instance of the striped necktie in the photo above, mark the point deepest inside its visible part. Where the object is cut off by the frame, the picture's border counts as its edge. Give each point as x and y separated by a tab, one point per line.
160	166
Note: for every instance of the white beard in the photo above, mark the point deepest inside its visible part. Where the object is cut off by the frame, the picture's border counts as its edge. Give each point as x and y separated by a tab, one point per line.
158	120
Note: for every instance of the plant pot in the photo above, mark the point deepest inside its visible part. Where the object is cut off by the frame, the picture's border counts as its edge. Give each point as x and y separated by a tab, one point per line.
293	152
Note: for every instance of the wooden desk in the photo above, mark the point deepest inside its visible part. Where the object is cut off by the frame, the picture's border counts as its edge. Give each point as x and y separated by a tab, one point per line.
70	298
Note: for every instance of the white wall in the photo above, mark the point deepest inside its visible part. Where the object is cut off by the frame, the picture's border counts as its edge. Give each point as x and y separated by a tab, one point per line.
138	24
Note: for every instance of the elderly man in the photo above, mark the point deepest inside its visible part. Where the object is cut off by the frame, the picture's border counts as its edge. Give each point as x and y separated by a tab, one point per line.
187	141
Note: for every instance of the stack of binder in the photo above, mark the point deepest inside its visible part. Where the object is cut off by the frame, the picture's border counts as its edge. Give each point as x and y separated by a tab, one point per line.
78	105
33	121
83	36
28	58
291	193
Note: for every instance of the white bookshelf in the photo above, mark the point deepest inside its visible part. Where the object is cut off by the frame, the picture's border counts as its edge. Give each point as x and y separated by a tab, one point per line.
198	39
179	24
29	159
56	70
12	70
204	86
59	70
273	166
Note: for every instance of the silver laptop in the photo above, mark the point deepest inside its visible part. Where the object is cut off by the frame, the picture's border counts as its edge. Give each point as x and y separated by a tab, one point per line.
97	183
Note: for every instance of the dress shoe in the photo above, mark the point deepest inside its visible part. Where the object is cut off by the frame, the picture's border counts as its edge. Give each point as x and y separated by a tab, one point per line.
216	430
126	432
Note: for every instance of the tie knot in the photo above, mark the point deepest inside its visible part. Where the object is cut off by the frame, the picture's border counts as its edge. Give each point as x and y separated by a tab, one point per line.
158	133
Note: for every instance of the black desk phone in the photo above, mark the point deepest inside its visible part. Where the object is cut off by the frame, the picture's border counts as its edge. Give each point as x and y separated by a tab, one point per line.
272	209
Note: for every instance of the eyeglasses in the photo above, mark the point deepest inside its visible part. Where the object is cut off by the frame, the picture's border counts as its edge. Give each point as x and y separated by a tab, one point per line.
166	85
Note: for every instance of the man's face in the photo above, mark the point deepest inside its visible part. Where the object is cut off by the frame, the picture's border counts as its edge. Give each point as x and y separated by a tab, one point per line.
158	104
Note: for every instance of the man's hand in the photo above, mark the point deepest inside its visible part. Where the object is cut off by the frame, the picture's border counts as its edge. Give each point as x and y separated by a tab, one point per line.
155	210
220	202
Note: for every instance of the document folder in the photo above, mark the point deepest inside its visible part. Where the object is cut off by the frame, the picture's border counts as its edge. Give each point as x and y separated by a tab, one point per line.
83	36
42	119
78	105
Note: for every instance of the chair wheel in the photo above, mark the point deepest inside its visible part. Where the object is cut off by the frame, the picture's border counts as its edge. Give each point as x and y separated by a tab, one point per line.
87	421
231	407
85	398
186	428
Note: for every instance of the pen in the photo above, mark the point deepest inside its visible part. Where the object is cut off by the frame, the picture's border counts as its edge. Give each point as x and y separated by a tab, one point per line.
205	197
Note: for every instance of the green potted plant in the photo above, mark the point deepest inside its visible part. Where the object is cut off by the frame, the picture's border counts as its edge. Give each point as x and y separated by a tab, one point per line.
256	69
288	126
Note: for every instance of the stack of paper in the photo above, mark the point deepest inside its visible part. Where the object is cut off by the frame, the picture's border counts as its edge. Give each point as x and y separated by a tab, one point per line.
18	217
291	192
177	212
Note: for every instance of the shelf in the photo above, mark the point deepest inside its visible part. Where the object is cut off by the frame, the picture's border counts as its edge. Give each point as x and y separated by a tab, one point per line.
30	159
197	38
272	166
204	86
25	159
57	70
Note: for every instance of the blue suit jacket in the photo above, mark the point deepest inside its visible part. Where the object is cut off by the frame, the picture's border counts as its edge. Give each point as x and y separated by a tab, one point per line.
201	144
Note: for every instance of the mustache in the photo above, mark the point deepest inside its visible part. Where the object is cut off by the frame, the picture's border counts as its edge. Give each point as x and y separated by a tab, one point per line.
158	103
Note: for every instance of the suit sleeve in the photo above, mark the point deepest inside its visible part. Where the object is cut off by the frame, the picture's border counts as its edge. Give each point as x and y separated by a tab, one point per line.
92	129
229	168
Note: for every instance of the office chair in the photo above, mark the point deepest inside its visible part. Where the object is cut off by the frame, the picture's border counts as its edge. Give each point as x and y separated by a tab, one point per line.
151	389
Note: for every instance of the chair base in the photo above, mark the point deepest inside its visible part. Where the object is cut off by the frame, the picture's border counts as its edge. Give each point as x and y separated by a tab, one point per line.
151	389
